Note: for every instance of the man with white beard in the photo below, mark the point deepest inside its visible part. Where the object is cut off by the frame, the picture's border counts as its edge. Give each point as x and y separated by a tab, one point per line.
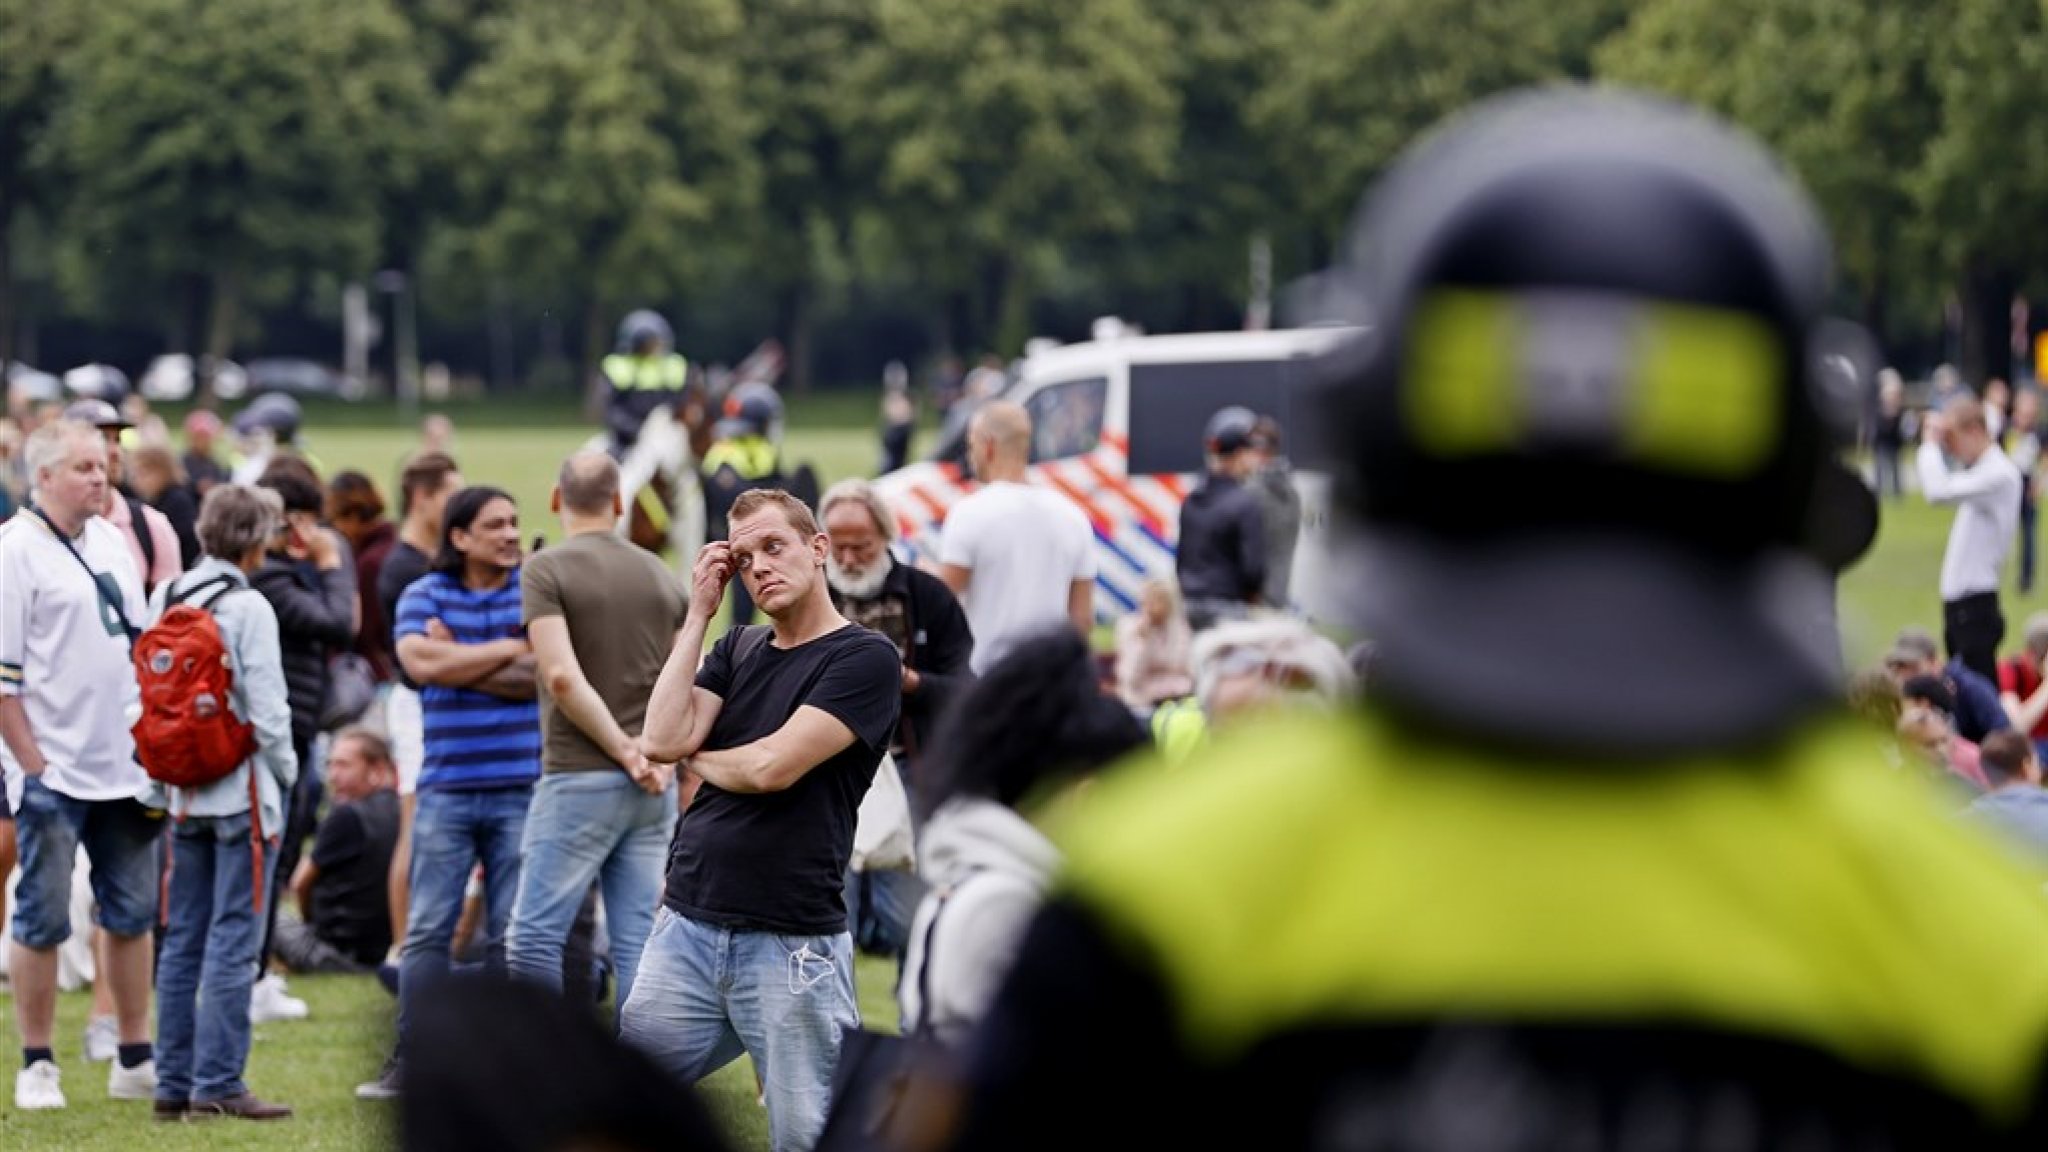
913	608
921	616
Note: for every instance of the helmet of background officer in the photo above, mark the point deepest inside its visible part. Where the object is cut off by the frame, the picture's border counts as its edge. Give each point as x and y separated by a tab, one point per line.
273	412
752	409
1227	440
644	332
1586	445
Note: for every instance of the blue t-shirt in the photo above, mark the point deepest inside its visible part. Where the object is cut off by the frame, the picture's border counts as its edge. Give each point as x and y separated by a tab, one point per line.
474	740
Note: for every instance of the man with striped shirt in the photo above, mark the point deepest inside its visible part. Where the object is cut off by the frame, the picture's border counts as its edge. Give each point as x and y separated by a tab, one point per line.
458	636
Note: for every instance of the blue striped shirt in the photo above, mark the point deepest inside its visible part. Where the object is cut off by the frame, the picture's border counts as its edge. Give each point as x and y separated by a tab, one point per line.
473	740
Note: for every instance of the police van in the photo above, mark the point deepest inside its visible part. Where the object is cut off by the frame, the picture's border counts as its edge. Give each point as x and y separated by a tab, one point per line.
1117	428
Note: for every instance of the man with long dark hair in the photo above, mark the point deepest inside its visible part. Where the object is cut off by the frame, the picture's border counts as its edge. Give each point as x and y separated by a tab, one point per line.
457	627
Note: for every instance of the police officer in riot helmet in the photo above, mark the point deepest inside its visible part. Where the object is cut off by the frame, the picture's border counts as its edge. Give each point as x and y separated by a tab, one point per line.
643	373
1602	862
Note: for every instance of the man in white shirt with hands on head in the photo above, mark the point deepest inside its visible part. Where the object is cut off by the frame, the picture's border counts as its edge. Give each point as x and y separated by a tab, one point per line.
784	726
1961	464
69	592
1021	558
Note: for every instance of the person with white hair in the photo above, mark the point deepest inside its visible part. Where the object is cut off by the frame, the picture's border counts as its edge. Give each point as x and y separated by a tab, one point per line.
1246	666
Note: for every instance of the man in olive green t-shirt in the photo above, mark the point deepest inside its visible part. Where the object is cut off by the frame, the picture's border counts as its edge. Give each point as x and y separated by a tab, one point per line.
602	615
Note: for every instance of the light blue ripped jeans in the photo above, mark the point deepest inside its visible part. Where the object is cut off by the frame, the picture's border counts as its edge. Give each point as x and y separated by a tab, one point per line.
705	994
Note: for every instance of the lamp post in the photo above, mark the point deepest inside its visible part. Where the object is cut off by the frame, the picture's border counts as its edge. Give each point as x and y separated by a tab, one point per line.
405	306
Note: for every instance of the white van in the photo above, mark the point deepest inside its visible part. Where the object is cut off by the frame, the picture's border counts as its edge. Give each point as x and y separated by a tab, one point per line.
1117	428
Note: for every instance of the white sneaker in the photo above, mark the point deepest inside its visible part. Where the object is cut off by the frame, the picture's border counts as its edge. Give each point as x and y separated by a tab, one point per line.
137	1083
102	1039
268	1002
36	1087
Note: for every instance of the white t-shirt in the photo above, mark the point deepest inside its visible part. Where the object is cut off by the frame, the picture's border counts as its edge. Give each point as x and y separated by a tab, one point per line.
63	651
1024	546
1987	496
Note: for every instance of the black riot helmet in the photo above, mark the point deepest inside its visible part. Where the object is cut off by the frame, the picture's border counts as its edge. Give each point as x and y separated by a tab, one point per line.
641	327
1588	440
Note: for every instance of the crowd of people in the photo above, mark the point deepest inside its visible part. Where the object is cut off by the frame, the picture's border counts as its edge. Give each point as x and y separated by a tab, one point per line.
1586	847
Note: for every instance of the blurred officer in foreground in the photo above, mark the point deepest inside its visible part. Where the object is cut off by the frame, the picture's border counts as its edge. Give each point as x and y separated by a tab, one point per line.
1603	863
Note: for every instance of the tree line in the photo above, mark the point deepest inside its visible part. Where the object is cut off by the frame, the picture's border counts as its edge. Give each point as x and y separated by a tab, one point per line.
871	178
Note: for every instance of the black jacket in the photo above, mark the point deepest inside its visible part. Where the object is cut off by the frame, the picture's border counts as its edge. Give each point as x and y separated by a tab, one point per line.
315	618
936	645
1222	551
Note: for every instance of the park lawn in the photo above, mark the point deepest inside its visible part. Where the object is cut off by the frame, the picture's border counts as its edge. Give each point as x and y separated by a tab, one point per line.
314	1065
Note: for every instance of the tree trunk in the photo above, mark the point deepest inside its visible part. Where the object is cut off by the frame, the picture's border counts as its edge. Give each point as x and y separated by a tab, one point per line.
799	328
220	333
1986	320
7	320
592	358
1013	310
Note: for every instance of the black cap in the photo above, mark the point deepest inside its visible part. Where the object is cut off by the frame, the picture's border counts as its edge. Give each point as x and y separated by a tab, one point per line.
1230	430
97	413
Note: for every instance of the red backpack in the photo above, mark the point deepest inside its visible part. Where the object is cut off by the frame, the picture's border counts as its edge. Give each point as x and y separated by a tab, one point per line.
187	736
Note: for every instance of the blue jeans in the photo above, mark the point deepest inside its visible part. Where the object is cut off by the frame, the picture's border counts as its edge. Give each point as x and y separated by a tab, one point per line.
120	840
707	993
452	832
880	905
584	827
209	959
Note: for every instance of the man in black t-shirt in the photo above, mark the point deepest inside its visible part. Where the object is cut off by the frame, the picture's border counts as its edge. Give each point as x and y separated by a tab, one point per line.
344	919
784	727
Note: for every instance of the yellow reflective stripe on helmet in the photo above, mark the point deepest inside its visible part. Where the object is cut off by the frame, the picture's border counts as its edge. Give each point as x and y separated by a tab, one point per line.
1707	400
1458	392
1812	896
1671	387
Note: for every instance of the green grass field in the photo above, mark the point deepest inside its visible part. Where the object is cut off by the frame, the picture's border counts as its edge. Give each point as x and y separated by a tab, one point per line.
314	1064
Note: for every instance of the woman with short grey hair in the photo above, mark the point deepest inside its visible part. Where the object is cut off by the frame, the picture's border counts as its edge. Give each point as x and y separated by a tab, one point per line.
223	852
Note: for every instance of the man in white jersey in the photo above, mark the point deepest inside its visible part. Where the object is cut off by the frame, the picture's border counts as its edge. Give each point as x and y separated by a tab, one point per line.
1020	558
1961	464
68	593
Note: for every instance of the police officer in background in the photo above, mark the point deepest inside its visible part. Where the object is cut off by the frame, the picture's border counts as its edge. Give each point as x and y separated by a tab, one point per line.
644	373
1603	862
1221	557
747	454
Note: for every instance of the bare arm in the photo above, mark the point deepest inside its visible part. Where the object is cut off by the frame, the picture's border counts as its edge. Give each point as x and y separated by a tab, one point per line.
1081	606
956	577
779	759
455	665
21	740
516	679
680	714
571	691
302	887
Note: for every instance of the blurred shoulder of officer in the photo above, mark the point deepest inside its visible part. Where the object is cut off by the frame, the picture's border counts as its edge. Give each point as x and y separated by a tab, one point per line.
643	373
1602	862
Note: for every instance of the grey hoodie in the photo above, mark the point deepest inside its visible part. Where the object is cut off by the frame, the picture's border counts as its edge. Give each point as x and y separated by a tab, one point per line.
988	869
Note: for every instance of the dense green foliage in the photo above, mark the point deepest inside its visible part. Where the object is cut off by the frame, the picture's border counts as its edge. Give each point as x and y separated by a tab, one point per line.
873	178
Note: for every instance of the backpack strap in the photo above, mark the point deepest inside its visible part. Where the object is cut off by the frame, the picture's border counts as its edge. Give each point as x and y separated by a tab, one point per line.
751	638
129	629
139	525
193	592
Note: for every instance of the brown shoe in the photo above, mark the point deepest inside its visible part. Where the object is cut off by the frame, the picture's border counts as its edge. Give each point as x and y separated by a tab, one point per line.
243	1107
170	1111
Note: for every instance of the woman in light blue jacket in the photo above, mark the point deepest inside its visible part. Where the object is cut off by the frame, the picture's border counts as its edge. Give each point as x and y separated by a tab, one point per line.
213	914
